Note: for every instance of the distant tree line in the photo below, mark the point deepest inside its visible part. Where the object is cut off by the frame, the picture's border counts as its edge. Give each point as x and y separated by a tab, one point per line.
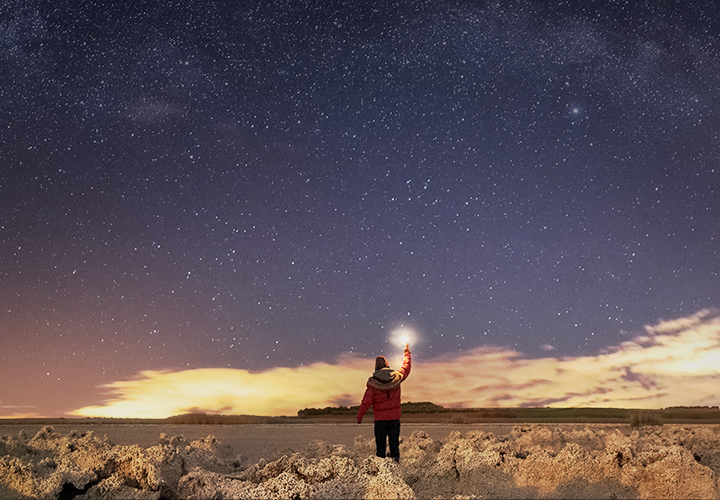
436	413
328	410
424	407
691	408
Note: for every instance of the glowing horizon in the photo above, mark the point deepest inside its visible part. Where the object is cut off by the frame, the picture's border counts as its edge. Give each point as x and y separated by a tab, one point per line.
675	363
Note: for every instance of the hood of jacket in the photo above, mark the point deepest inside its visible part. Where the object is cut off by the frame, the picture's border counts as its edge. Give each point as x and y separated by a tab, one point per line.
385	379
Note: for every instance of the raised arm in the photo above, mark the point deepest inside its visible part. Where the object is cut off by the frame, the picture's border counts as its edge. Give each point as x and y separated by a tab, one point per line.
407	363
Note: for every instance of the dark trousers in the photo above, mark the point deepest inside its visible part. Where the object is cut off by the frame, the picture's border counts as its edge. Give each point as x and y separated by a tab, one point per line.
388	430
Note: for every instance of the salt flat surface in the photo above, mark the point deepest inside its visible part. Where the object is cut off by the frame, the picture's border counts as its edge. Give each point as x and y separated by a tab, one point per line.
323	461
271	441
268	441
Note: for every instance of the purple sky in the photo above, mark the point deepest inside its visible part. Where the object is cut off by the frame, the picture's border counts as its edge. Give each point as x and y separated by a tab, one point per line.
253	185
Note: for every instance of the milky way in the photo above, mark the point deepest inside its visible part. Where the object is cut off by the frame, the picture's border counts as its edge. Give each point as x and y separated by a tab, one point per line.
254	185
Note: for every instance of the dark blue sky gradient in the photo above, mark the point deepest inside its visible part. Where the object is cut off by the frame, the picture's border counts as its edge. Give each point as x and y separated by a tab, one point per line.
261	184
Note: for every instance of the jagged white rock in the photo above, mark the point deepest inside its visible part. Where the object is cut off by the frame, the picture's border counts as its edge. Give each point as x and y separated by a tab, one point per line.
533	461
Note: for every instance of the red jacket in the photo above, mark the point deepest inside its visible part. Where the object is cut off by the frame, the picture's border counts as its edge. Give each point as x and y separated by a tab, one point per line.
383	392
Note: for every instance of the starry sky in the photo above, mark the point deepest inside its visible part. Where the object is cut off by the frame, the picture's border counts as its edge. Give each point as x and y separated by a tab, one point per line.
237	190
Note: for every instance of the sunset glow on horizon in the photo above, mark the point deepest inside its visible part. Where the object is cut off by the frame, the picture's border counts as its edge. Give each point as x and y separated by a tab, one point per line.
675	363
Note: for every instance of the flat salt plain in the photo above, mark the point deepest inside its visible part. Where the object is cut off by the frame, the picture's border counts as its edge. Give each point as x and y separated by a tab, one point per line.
438	461
256	441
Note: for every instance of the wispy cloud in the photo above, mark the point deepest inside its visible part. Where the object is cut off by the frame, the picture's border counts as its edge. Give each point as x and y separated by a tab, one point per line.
16	411
673	363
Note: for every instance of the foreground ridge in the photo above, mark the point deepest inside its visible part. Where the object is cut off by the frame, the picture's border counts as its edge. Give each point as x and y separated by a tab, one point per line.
533	461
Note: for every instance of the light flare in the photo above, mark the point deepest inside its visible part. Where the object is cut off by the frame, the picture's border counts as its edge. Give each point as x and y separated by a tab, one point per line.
402	336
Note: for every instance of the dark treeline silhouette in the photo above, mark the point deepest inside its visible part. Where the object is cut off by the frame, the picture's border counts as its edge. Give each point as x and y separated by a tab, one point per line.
425	407
422	412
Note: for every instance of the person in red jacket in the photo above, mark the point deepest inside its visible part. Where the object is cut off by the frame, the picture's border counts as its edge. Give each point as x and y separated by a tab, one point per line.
383	394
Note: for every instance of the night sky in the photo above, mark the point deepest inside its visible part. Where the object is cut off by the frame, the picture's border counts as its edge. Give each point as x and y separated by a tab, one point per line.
253	185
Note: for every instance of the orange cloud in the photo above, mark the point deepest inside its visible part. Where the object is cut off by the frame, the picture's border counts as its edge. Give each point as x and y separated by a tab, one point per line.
674	363
280	391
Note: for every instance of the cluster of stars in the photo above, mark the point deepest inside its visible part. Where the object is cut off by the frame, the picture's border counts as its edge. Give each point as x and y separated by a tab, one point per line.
261	186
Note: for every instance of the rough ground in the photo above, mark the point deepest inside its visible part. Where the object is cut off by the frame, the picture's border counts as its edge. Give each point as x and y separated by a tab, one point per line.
531	462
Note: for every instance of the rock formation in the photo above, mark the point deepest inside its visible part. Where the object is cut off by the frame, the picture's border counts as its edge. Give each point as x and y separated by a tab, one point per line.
535	461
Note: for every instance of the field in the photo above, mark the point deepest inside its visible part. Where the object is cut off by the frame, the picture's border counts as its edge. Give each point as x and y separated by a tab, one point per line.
251	442
328	461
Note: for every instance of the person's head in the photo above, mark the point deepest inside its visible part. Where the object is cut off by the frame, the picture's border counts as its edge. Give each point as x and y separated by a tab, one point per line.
380	363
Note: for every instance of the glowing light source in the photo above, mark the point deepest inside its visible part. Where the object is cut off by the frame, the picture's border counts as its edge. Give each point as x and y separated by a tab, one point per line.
402	336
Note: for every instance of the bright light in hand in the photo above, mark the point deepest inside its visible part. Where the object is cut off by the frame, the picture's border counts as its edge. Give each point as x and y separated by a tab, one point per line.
402	336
